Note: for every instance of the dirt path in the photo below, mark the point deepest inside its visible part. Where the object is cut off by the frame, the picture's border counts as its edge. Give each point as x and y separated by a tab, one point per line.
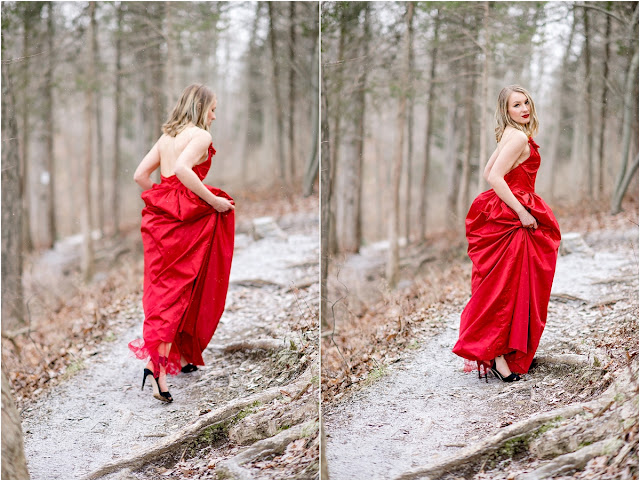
100	414
426	409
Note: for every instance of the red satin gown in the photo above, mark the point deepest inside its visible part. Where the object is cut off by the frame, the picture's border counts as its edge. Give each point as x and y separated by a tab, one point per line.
188	247
512	273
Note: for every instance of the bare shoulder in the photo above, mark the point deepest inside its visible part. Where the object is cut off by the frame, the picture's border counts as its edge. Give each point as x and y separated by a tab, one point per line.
162	140
514	138
200	136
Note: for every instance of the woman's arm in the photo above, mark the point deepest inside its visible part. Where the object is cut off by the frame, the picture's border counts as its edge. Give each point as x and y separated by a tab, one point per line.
489	165
151	162
510	153
185	174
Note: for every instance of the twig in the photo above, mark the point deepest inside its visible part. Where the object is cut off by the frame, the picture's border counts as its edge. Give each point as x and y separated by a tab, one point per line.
333	314
18	59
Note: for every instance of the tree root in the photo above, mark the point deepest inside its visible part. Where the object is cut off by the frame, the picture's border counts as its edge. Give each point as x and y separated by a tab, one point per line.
471	455
249	345
256	283
568	359
191	432
232	468
511	439
573	461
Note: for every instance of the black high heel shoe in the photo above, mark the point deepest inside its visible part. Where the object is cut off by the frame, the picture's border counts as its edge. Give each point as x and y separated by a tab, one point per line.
485	371
189	368
157	393
510	378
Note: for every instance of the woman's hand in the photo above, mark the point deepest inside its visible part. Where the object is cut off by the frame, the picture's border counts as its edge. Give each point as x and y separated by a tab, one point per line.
528	220
221	204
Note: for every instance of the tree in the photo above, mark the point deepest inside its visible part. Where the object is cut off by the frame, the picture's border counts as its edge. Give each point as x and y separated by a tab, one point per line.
49	158
87	241
587	66
311	173
12	212
603	104
276	94
394	217
429	121
325	218
292	90
117	102
351	161
99	157
14	464
410	122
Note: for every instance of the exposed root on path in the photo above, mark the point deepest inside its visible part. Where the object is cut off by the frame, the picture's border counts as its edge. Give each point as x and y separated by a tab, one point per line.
568	359
233	468
253	344
215	418
574	461
551	434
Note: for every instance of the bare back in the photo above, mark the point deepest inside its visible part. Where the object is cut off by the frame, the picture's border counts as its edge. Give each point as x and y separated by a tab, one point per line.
170	149
526	153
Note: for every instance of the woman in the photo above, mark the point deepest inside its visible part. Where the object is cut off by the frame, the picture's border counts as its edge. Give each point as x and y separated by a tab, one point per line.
187	233
513	244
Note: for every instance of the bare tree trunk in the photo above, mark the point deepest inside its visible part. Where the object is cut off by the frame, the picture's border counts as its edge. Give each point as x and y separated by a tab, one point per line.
559	108
26	108
158	71
276	91
87	241
603	106
311	173
484	99
14	464
350	190
409	175
452	160
587	63
627	119
171	56
96	86
292	90
49	161
336	138
424	193
118	122
255	121
325	219
394	217
465	178
12	213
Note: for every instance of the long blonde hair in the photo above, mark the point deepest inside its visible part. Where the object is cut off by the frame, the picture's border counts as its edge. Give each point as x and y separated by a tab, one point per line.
502	113
192	107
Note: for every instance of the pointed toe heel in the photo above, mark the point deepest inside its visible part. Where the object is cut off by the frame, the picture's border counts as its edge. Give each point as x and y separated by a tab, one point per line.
157	393
510	378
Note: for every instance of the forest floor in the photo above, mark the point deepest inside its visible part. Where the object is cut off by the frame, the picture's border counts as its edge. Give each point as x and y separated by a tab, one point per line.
251	412
397	403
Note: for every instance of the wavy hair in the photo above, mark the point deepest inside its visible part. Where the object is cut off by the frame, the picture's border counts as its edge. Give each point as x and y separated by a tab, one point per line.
503	118
192	107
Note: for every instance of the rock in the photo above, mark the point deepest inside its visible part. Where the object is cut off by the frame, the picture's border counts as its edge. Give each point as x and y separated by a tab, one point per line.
266	227
574	243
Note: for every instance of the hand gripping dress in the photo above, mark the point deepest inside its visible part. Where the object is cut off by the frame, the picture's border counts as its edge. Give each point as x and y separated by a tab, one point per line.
512	273
188	247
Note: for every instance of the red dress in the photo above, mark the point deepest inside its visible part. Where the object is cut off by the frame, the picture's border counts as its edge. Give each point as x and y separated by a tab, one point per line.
512	273
188	247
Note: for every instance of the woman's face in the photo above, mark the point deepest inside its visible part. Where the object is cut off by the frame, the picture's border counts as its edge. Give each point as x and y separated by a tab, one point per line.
211	113
518	108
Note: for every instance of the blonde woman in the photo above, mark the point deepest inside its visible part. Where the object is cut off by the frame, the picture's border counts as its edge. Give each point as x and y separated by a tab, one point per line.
187	233
513	243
